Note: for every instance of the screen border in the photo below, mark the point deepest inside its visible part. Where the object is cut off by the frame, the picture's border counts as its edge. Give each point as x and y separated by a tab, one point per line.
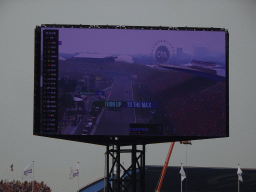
115	139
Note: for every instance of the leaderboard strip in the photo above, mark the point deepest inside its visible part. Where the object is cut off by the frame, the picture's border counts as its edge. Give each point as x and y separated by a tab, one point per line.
50	80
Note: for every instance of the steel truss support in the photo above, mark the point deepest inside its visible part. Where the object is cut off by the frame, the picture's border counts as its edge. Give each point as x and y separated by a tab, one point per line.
127	180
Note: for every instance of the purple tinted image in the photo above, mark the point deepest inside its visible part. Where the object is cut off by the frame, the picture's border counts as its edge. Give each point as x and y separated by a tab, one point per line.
183	73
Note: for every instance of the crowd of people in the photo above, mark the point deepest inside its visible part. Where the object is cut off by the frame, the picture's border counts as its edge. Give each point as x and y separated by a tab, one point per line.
200	112
17	186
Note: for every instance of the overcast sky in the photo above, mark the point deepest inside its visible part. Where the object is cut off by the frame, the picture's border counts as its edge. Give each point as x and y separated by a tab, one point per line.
53	157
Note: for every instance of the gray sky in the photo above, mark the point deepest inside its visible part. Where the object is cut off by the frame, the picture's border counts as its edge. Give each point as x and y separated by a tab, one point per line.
53	157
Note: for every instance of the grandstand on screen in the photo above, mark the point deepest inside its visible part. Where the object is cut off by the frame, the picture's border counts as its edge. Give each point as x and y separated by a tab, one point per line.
94	58
198	179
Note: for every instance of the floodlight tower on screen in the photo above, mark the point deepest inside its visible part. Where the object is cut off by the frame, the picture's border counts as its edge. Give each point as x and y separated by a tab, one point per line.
131	82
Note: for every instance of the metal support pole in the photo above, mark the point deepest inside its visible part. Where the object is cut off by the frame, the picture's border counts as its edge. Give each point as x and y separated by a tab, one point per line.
122	178
108	175
141	170
238	180
187	168
134	167
181	183
142	177
238	184
33	178
118	168
112	175
105	167
181	179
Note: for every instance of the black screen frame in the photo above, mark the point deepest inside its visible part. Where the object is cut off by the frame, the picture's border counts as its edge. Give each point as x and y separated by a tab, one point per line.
113	139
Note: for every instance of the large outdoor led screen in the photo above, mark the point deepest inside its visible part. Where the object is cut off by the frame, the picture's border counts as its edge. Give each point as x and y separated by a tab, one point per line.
133	82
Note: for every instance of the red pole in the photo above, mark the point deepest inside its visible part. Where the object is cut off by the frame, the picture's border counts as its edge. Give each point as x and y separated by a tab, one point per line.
165	167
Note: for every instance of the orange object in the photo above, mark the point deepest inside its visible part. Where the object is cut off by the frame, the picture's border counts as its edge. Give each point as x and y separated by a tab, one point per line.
165	167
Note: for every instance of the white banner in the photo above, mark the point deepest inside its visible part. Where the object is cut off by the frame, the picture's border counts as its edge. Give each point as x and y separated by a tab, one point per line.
183	175
239	173
74	172
28	172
